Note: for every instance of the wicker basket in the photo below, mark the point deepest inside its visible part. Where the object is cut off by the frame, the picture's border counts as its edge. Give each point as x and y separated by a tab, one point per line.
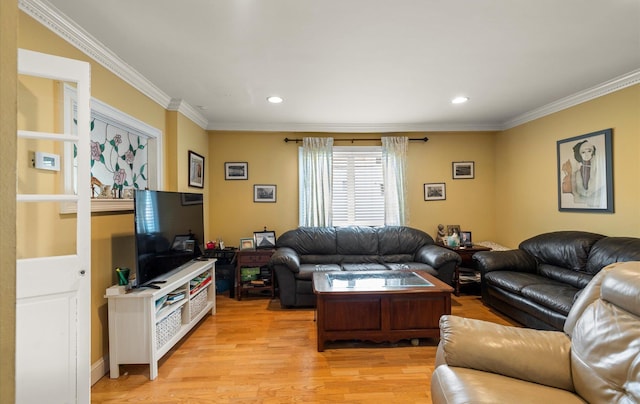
168	327
198	303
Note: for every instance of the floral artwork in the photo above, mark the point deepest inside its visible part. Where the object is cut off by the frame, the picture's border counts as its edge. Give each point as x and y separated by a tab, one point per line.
118	160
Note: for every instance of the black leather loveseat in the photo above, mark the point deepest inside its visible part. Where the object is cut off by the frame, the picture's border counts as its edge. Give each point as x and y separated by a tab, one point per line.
306	250
537	283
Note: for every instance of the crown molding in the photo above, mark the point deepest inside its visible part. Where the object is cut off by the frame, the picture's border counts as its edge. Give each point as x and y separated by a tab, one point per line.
352	127
49	16
187	110
613	85
52	18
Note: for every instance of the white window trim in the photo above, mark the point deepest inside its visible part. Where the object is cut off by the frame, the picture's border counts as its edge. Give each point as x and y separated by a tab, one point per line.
301	175
131	124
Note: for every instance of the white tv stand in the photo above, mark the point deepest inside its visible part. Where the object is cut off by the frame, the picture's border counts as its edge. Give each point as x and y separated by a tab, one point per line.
139	332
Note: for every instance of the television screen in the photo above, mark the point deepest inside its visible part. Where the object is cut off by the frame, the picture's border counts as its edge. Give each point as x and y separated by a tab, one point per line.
169	232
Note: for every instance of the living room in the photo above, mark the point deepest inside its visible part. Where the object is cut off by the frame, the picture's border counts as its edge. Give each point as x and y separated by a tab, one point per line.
512	197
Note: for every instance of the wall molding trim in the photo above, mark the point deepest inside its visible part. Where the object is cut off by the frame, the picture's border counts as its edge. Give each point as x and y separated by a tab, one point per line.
52	18
187	110
608	87
67	29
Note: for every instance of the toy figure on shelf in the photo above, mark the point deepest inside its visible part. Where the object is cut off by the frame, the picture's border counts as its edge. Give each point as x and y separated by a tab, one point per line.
440	237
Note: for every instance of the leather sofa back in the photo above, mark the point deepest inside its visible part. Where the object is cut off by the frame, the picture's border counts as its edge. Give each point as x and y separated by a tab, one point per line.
310	240
566	249
361	241
613	249
605	341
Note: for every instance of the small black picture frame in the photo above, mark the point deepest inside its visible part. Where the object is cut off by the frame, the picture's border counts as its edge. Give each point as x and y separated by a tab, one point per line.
236	171
264	193
264	239
465	239
462	170
435	191
196	170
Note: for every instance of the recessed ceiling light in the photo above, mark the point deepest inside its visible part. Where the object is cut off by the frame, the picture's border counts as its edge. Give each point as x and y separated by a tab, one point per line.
274	99
459	100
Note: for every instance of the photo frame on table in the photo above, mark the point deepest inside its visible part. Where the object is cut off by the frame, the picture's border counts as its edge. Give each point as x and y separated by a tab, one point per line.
264	193
247	244
264	239
465	239
236	171
463	170
585	173
453	228
435	191
196	170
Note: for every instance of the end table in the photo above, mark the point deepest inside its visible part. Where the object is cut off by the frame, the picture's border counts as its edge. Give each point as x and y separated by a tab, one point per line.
467	264
253	258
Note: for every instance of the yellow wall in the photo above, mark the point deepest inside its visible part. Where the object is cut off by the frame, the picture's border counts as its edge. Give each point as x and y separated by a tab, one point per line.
526	167
111	233
8	127
270	160
512	197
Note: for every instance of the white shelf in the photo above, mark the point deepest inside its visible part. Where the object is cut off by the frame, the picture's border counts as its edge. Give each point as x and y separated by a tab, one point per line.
134	320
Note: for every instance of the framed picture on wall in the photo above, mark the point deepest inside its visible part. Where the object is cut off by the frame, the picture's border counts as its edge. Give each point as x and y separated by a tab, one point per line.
196	170
435	192
264	193
236	171
463	170
585	173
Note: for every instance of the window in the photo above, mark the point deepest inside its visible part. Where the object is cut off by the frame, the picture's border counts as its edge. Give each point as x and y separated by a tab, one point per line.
126	155
358	186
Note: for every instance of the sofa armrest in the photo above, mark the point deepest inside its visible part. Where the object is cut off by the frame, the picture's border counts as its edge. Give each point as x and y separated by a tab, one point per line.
537	356
286	257
511	260
437	256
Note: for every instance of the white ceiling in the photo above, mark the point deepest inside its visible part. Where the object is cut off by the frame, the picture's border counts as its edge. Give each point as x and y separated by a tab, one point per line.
367	65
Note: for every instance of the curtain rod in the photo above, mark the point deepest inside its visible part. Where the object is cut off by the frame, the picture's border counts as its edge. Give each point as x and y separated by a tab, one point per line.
420	139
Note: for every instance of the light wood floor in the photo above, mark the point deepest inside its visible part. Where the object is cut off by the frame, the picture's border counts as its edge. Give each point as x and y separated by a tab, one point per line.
252	351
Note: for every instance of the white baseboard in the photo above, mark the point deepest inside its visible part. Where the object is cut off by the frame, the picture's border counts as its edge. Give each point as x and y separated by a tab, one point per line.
99	369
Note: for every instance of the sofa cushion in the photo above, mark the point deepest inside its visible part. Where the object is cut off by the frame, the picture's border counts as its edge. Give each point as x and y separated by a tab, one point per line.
307	270
568	249
414	266
320	259
309	240
356	241
540	290
394	240
558	297
397	258
360	266
514	281
613	249
578	279
462	385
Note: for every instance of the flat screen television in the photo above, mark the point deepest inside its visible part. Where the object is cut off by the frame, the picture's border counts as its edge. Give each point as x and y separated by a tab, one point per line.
169	232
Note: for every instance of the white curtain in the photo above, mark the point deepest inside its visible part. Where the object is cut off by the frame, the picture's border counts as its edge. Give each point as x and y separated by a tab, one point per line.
317	161
394	158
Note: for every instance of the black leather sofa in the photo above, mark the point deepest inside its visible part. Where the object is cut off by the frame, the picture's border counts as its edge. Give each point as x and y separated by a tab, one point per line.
305	250
538	283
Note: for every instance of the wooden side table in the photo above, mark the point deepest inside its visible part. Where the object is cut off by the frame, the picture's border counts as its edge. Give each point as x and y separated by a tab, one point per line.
467	264
253	258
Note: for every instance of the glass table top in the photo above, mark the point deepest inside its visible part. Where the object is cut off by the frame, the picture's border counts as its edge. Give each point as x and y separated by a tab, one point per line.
375	280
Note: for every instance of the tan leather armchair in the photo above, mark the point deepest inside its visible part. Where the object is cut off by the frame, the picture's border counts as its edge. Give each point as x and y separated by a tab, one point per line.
595	360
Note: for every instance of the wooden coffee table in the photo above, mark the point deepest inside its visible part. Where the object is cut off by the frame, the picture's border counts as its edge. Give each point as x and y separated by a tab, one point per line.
379	306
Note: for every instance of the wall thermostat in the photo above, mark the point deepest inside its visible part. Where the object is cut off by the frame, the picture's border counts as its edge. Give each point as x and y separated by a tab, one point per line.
47	161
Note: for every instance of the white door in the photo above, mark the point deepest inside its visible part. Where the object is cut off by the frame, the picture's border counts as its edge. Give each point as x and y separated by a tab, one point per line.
53	291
